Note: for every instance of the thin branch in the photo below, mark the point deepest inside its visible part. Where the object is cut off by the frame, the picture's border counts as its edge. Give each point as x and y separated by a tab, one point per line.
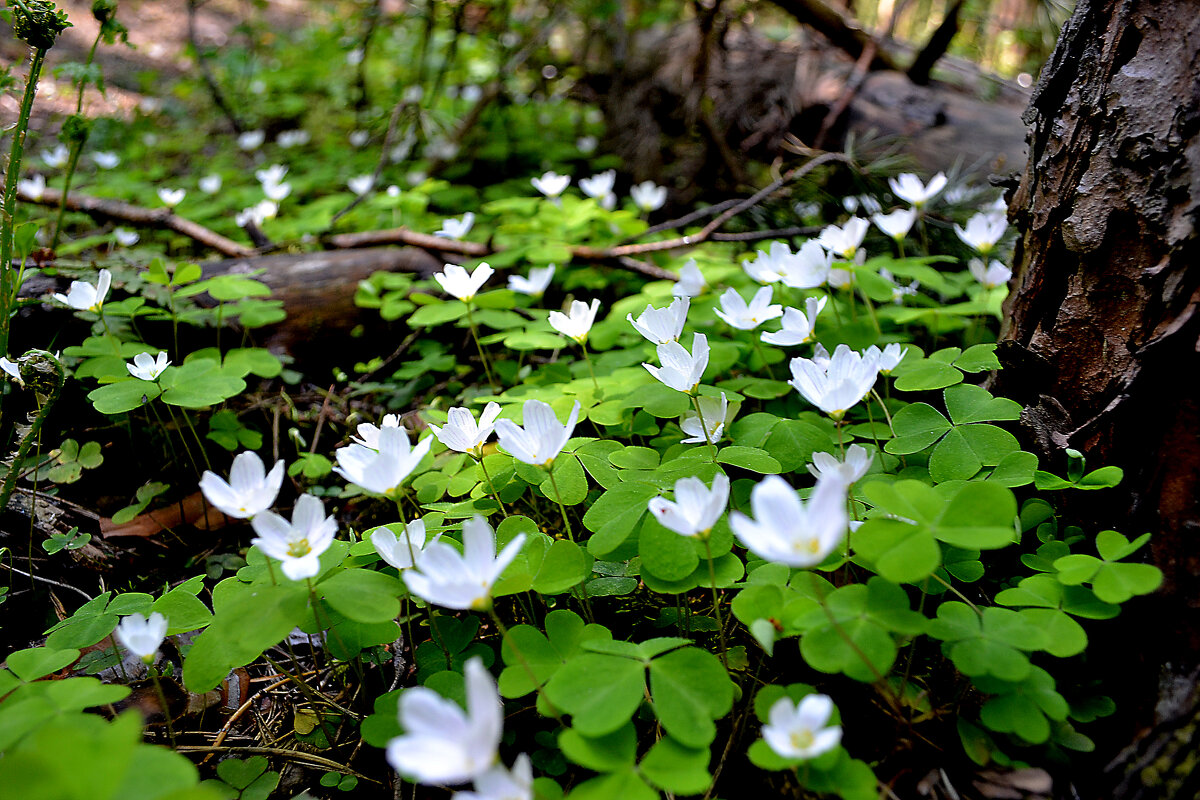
349	241
148	217
775	233
857	76
210	81
843	32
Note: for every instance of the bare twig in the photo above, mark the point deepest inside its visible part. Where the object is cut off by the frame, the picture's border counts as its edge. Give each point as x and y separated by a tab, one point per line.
148	217
349	241
214	90
839	108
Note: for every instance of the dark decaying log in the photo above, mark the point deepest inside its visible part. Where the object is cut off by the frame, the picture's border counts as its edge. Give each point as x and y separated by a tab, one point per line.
1102	336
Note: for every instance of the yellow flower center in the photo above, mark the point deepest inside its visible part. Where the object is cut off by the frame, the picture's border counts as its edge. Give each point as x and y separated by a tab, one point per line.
802	740
299	548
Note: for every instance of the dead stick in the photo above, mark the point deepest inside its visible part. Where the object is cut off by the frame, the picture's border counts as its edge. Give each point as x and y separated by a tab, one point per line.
148	217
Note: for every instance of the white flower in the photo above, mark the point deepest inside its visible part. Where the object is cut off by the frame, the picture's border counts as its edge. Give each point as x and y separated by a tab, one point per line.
272	174
359	138
443	744
106	160
896	224
908	187
354	57
869	204
456	228
899	292
576	324
289	139
735	311
649	196
12	370
542	438
662	325
691	281
171	197
140	636
889	358
83	296
856	463
471	93
696	508
299	543
850	203
146	367
535	285
808	267
456	281
277	192
797	325
462	581
361	184
257	213
250	490
802	730
125	236
608	202
210	184
992	276
840	278
844	241
680	369
33	188
839	385
462	433
251	140
382	471
770	265
551	184
715	412
787	530
499	783
401	551
983	231
393	191
57	157
368	433
600	185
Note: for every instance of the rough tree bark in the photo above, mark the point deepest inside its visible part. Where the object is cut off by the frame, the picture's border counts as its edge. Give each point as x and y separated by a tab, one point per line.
1102	331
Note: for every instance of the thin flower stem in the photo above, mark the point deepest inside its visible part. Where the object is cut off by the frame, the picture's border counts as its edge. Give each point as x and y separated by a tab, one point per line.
196	436
588	360
491	486
712	576
956	591
900	247
562	508
703	425
183	439
533	678
763	358
870	310
886	414
162	699
487	369
845	637
72	163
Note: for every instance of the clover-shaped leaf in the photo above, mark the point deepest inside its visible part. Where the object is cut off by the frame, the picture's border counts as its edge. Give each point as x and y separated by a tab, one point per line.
991	642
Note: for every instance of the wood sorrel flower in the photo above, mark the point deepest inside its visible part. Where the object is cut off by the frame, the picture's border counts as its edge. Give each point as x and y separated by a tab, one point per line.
691	281
839	384
455	228
696	508
802	730
542	438
382	471
797	325
748	316
146	367
982	232
462	433
578	322
250	490
171	197
403	549
464	285
843	241
142	637
442	743
789	531
896	224
82	296
445	577
535	285
299	543
908	187
499	783
992	276
680	369
848	470
715	412
551	184
662	325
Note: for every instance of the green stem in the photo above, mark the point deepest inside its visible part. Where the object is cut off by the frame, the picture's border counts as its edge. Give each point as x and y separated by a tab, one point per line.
703	425
8	213
162	699
76	151
487	369
562	508
886	414
712	576
871	311
845	637
492	486
762	357
35	428
512	645
587	359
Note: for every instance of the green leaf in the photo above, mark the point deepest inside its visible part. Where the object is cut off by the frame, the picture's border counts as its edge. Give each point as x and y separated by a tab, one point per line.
606	753
978	358
917	426
572	482
967	403
899	551
749	458
600	692
362	595
437	314
665	554
38	662
925	375
673	767
615	515
625	784
199	384
690	688
792	443
122	396
564	566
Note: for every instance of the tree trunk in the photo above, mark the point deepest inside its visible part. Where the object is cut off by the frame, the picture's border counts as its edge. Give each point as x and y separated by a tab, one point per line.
1101	334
